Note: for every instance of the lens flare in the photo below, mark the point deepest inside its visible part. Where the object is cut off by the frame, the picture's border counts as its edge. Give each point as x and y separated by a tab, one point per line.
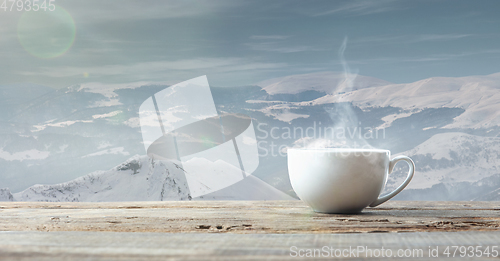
208	142
118	118
46	34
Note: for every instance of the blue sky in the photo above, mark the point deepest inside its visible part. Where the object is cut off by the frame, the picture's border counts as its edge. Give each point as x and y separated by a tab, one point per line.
243	42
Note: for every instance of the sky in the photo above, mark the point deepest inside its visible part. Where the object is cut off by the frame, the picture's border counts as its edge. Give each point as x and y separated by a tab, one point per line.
238	43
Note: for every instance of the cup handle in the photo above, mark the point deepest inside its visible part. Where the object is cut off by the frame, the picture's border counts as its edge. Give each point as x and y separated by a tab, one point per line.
411	171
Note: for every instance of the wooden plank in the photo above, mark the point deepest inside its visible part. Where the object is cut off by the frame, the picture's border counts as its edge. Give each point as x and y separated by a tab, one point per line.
51	246
246	217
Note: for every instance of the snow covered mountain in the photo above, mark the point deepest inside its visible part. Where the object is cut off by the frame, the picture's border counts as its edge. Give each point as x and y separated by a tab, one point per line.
140	179
449	126
479	96
452	166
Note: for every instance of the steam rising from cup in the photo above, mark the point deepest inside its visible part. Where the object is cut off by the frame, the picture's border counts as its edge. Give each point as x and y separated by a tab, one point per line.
349	78
345	120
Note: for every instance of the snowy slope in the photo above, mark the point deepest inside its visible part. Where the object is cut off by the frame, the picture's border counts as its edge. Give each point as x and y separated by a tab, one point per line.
478	95
452	158
325	82
142	179
491	196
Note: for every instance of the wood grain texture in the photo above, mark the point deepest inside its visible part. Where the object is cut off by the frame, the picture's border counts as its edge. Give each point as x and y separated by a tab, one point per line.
246	217
39	246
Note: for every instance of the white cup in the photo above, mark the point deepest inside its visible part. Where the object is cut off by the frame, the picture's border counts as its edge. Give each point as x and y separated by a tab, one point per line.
343	180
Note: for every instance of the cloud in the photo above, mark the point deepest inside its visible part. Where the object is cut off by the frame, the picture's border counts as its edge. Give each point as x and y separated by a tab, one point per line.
32	154
440	37
430	58
146	69
106	115
279	48
362	7
269	37
406	39
276	43
115	151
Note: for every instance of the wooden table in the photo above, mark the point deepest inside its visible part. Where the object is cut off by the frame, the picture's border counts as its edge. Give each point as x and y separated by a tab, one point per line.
233	230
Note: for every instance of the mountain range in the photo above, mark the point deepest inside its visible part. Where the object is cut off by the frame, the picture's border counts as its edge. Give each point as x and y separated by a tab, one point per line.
449	126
